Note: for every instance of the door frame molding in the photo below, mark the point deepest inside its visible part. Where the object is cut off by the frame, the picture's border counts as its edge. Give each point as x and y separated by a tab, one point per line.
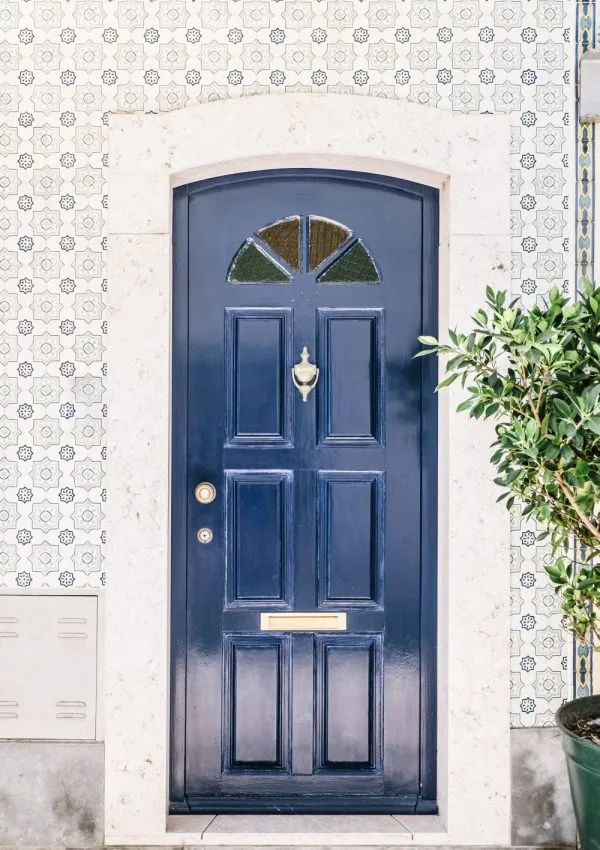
151	154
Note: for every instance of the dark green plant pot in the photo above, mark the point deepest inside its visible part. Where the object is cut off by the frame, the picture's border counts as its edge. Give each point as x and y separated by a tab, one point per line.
583	765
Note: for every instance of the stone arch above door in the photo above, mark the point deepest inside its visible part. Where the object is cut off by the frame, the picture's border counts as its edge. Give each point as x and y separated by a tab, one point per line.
466	158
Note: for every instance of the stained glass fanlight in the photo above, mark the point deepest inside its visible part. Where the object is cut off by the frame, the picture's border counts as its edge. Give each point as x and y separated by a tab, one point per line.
303	243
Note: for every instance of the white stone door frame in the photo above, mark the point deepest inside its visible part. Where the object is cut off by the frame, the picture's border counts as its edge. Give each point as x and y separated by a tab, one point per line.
467	158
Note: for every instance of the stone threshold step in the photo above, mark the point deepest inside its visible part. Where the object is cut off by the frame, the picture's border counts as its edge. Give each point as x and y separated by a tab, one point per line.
203	845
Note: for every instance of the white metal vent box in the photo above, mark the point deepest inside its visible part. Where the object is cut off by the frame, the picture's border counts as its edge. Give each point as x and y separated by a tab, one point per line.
48	660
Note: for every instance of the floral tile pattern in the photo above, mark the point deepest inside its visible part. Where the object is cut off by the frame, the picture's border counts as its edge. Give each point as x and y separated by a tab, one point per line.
67	63
584	260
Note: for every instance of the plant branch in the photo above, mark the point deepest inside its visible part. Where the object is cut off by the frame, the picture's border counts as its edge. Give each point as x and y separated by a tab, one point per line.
593	529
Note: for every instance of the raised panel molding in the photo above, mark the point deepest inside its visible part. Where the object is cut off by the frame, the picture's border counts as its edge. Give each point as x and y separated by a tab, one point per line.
48	658
258	340
348	703
256	720
350	557
258	565
351	392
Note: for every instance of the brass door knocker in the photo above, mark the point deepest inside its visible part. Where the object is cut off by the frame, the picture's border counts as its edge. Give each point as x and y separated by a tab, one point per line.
305	375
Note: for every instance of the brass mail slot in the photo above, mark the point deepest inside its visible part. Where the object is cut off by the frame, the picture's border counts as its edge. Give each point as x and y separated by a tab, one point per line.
299	622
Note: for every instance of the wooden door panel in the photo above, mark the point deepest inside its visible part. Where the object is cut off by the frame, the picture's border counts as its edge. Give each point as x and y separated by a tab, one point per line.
348	705
350	529
259	538
255	719
258	343
351	394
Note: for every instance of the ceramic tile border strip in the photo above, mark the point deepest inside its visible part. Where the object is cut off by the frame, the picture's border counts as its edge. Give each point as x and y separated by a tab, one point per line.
584	254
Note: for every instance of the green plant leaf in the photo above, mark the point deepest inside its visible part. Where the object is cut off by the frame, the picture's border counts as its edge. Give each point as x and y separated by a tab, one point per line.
531	430
562	408
447	381
593	424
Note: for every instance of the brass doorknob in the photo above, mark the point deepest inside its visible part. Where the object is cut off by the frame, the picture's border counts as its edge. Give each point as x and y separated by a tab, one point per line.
205	492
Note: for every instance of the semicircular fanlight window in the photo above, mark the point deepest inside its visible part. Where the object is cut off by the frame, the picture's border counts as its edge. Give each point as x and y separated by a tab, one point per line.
303	243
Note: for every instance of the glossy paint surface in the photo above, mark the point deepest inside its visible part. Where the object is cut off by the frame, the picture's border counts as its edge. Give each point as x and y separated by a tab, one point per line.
323	505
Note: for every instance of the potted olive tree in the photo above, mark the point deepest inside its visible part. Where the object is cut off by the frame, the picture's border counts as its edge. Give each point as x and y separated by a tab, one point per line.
536	373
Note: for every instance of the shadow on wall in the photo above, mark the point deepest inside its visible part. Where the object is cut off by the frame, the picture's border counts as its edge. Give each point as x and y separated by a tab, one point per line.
51	793
542	812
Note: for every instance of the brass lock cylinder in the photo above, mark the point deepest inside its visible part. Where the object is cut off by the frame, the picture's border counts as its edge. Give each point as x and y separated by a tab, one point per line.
205	492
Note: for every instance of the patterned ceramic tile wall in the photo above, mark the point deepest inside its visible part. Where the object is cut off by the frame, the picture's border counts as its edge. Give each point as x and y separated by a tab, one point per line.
584	258
66	65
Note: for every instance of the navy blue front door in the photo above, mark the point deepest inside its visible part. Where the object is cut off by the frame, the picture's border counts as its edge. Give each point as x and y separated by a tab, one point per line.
303	571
